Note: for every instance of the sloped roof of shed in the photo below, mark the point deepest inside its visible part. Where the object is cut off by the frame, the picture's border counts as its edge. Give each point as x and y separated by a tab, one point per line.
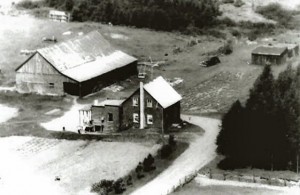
162	92
269	50
110	103
85	57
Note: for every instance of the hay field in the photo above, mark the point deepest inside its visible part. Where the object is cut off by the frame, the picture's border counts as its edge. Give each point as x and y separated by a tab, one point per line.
30	165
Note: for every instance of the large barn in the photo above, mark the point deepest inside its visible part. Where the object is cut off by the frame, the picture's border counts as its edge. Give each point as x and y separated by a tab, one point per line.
269	55
155	105
79	66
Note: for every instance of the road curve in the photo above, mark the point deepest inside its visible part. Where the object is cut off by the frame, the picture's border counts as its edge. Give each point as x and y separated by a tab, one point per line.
200	152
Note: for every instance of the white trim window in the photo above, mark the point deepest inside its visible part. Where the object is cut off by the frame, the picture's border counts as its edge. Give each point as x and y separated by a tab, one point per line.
136	118
135	101
149	103
149	119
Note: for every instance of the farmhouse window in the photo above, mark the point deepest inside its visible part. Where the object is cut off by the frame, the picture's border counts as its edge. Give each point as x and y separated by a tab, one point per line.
149	103
110	117
149	119
135	118
51	85
135	101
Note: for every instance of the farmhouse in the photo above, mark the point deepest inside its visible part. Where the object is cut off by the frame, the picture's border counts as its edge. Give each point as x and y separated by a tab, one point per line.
59	16
155	105
269	55
78	66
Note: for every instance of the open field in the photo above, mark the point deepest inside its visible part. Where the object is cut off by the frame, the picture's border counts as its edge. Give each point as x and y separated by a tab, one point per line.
30	161
247	11
195	188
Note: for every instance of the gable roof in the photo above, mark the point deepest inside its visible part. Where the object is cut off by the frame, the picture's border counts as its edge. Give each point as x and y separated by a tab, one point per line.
162	92
269	50
85	57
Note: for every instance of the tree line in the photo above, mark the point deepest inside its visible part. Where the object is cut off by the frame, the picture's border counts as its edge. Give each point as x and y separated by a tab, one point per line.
264	133
155	14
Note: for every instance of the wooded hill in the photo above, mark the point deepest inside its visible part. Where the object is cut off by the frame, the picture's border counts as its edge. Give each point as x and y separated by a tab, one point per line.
155	14
265	133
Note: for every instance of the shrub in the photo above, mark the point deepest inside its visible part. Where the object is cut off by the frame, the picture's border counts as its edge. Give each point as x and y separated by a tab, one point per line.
227	48
172	141
119	186
148	163
129	180
104	186
165	151
238	3
139	171
27	4
235	33
217	34
228	1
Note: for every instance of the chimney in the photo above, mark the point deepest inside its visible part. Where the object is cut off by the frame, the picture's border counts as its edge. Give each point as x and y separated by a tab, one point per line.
95	102
142	106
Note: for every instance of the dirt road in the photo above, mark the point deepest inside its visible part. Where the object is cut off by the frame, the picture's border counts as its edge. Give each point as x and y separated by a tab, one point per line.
200	152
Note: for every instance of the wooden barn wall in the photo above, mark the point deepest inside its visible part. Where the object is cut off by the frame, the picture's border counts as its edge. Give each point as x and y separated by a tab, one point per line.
265	59
96	84
128	109
38	76
99	112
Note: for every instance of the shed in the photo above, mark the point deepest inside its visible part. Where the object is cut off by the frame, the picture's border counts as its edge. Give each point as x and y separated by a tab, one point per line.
60	16
293	49
79	66
269	55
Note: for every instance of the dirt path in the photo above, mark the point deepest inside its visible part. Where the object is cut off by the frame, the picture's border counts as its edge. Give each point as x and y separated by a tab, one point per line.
200	152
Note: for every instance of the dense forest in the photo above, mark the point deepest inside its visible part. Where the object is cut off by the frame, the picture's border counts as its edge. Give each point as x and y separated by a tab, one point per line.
155	14
264	133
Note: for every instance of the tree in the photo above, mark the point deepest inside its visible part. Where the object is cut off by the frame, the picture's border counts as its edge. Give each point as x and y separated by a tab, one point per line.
69	4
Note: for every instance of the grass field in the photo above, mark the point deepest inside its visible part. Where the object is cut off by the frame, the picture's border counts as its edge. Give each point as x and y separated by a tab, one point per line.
78	164
195	188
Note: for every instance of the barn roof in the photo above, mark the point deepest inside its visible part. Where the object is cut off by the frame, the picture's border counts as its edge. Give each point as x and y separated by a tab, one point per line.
162	92
85	57
269	50
110	103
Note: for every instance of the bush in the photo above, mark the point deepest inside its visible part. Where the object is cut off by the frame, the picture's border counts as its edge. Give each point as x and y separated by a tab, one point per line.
172	141
227	48
148	163
27	4
139	171
166	151
275	11
228	1
104	186
235	33
119	186
238	3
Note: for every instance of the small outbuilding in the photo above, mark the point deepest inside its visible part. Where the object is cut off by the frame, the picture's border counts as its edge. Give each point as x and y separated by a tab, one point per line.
79	66
293	49
269	55
60	16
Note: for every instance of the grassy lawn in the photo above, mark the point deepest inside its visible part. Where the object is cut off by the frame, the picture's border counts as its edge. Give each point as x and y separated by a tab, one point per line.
78	164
